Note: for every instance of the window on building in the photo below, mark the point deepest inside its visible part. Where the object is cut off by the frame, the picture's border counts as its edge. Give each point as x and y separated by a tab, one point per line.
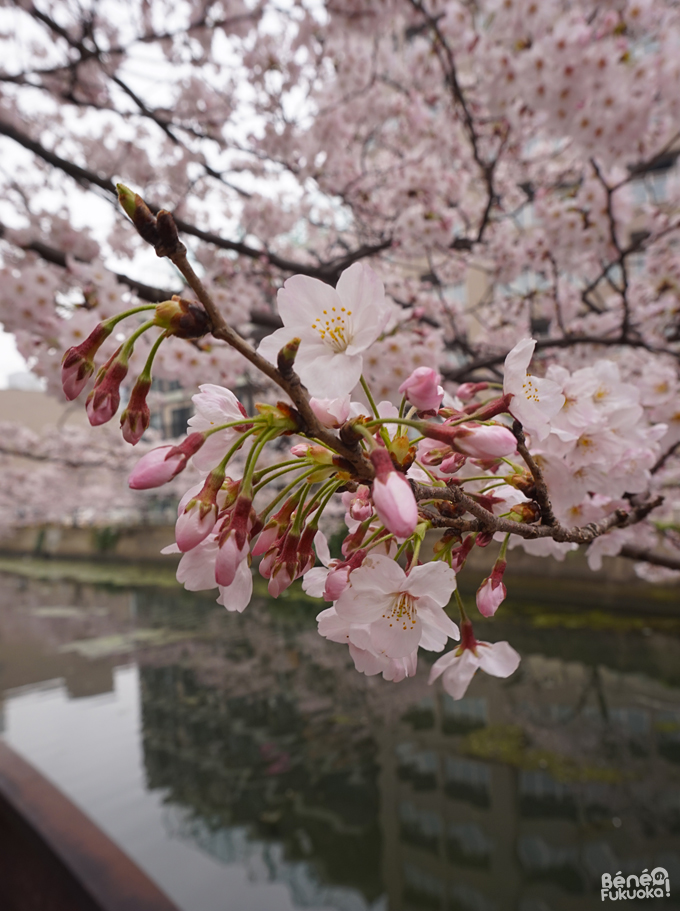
178	420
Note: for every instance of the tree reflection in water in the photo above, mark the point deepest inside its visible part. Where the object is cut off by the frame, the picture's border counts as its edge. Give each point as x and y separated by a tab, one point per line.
273	753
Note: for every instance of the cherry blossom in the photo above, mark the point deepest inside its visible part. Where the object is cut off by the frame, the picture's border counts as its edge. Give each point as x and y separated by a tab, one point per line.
458	667
535	400
335	327
400	611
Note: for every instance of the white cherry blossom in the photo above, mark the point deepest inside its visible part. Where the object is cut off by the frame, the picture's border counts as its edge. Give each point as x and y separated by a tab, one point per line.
399	611
335	327
535	400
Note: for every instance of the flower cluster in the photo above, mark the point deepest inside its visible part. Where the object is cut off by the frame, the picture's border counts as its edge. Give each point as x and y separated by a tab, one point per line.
421	484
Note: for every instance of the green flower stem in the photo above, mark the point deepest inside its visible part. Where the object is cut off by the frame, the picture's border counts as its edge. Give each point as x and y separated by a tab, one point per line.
461	608
259	484
405	421
369	396
129	344
504	547
429	473
240	423
251	461
325	494
234	449
298	520
257	477
146	372
114	320
286	490
402	406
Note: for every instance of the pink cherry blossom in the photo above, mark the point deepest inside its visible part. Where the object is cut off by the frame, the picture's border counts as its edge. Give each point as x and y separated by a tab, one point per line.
215	405
400	611
458	666
492	592
484	441
534	400
422	389
335	629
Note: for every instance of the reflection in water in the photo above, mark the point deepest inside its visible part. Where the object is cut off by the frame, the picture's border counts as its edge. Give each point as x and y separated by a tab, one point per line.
269	752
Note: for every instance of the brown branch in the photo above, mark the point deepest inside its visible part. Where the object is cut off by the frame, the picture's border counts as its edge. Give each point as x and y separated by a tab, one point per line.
289	382
328	271
567	342
542	496
488	522
646	556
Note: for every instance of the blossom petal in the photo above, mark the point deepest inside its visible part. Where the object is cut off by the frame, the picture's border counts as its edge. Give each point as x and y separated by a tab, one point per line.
436	580
236	597
396	638
302	299
499	659
326	373
458	676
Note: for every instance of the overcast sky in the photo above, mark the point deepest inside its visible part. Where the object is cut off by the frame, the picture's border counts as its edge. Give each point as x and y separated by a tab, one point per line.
10	359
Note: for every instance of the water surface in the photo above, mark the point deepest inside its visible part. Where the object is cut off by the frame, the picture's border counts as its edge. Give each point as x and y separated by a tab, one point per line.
244	764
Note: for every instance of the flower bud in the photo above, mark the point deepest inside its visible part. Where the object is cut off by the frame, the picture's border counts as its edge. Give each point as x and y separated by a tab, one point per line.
160	465
196	521
102	403
286	356
182	318
453	463
77	365
422	389
139	214
466	390
134	421
331	412
234	541
491	593
393	497
485	441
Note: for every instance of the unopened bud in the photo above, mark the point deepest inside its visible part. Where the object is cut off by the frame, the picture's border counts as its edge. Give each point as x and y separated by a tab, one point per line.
139	214
286	356
77	365
182	318
102	403
168	242
135	420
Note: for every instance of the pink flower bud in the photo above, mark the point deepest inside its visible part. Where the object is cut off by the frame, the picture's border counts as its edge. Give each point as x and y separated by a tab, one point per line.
422	389
466	390
198	518
135	420
194	525
229	557
453	463
491	593
331	412
102	403
358	504
162	464
393	497
485	441
77	365
154	469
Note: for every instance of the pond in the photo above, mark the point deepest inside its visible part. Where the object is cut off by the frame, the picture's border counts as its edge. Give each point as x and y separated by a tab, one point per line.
244	764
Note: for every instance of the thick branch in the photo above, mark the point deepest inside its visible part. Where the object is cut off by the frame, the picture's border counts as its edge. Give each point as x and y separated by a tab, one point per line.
646	556
488	522
328	271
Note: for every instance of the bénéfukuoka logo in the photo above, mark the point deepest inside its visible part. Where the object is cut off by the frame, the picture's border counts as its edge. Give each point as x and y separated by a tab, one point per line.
648	885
